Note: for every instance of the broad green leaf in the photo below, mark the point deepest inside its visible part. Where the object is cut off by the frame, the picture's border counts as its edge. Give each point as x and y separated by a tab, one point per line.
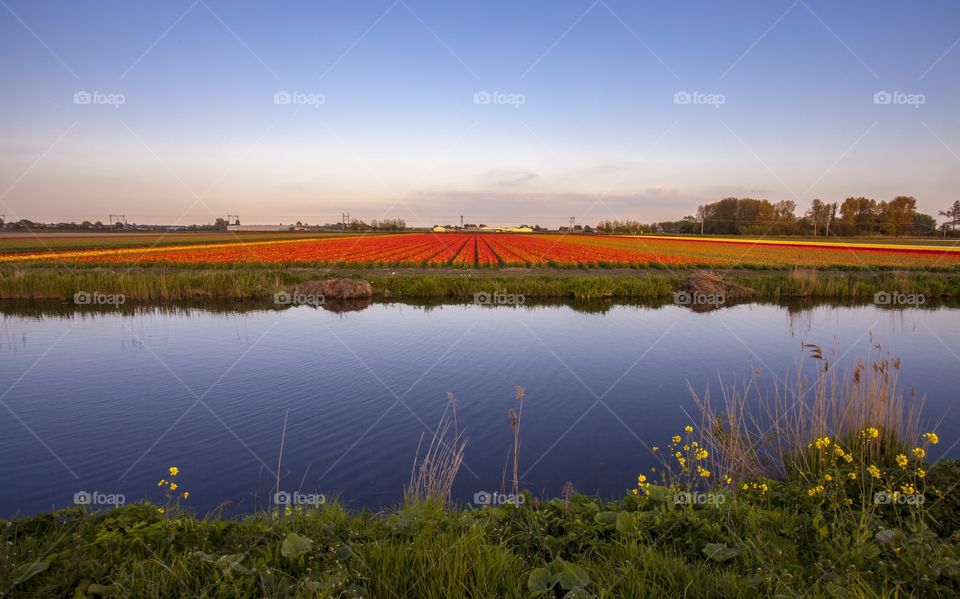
626	523
572	575
719	552
541	580
295	545
607	518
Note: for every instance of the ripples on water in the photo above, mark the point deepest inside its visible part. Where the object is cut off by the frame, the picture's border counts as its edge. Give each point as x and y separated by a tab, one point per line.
107	400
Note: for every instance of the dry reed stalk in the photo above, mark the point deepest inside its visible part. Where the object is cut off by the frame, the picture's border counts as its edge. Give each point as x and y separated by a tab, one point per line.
433	474
752	436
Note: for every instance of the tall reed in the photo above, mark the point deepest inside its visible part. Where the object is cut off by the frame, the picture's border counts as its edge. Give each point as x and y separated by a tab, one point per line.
752	434
433	474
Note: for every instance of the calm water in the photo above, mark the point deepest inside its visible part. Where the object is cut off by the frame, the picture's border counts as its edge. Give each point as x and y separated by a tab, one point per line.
106	401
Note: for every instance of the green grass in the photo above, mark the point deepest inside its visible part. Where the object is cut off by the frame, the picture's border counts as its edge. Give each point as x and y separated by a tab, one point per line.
256	282
80	240
782	544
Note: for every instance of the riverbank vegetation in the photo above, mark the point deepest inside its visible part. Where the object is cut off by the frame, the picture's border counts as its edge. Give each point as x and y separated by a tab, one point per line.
186	284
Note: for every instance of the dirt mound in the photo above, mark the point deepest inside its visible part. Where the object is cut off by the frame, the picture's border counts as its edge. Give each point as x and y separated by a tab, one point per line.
703	282
337	289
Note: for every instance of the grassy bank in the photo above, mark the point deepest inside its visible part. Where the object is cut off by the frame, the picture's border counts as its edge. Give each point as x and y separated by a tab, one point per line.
184	284
783	542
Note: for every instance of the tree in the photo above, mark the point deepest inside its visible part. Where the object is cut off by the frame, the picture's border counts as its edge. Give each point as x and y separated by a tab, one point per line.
953	217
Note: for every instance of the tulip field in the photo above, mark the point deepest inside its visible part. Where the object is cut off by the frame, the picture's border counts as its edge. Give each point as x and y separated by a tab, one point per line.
491	250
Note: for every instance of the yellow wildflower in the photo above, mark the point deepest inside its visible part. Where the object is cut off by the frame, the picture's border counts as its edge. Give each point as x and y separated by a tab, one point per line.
919	452
932	438
852	476
676	439
848	458
185	495
688	428
921	472
827	477
173	486
641	478
902	460
874	471
174	471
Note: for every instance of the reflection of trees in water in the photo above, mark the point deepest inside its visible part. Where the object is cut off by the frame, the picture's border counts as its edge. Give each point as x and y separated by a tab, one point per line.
800	312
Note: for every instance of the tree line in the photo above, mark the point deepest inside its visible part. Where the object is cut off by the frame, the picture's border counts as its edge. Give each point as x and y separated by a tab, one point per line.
852	217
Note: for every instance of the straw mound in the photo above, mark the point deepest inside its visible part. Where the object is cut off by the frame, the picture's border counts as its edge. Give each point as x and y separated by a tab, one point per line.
709	283
337	288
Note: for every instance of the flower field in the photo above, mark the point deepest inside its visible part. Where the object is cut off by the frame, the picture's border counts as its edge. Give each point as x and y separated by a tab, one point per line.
473	250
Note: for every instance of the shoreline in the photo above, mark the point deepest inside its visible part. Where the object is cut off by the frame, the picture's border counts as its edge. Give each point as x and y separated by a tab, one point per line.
179	284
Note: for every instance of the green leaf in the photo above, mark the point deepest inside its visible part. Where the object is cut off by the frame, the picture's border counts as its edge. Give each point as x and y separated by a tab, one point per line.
295	545
541	580
572	575
608	518
719	552
626	523
99	589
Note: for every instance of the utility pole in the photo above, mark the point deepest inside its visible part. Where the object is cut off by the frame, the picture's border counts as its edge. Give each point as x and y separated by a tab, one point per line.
573	222
119	218
230	217
461	221
346	219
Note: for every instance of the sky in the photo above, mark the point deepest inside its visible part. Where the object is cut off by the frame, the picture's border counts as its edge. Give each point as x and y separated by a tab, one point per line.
528	112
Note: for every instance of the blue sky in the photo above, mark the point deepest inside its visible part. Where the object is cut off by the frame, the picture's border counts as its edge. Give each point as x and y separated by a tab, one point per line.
586	115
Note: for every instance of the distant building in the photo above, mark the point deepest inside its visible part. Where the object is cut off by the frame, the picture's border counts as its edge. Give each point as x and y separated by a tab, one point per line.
439	229
260	227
